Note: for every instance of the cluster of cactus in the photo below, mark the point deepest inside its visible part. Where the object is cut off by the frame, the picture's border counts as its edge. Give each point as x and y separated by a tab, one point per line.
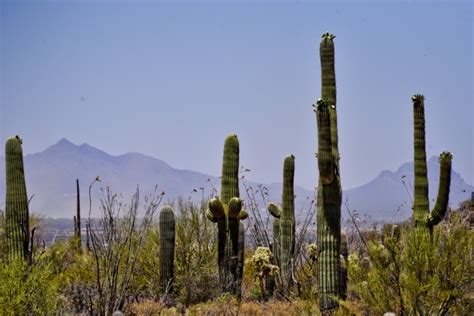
227	212
167	229
284	223
330	251
16	206
329	187
421	209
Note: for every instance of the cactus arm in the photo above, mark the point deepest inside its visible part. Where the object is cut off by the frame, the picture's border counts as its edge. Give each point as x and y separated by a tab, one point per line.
441	204
421	200
167	228
210	217
216	208
243	215
16	204
274	210
276	241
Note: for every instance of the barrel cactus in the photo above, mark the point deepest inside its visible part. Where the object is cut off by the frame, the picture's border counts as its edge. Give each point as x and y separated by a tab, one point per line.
227	212
421	208
329	188
167	228
286	219
16	206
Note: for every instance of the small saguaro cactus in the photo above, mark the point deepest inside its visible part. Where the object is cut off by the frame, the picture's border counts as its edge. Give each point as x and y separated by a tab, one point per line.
16	206
329	188
77	218
167	228
286	216
227	212
421	208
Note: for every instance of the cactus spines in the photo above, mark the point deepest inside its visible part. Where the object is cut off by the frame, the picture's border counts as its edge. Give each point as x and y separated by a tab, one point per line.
167	227
227	212
421	208
286	222
16	206
329	188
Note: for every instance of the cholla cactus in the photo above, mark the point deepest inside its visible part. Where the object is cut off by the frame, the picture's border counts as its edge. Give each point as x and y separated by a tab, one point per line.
261	264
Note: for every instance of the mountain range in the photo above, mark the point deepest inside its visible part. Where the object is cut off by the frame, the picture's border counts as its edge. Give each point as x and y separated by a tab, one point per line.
51	176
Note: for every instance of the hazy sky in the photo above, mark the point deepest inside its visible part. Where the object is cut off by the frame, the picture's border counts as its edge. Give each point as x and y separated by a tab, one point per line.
172	80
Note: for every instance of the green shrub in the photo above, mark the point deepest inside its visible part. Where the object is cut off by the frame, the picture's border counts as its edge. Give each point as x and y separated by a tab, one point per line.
196	268
28	289
416	273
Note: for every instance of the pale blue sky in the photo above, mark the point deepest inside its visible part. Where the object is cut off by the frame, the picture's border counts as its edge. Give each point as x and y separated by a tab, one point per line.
172	80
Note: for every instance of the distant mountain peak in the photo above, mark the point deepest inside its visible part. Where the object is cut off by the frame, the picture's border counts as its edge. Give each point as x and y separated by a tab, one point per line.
64	142
62	145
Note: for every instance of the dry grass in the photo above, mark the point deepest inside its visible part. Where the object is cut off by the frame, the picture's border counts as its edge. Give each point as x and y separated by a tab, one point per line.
227	306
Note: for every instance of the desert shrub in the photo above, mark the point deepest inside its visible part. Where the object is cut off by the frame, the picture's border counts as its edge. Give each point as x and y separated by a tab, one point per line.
145	308
196	273
416	272
115	244
28	289
146	283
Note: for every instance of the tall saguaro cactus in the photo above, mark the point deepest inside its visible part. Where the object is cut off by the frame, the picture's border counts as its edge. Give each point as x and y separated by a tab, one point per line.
167	228
16	207
421	208
227	212
329	188
286	215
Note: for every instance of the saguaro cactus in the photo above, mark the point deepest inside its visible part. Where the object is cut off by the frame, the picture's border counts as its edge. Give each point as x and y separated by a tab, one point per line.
16	207
329	213
286	215
167	228
77	218
227	212
421	208
329	188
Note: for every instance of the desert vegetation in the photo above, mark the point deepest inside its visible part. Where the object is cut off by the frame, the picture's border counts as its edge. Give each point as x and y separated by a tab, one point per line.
233	254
